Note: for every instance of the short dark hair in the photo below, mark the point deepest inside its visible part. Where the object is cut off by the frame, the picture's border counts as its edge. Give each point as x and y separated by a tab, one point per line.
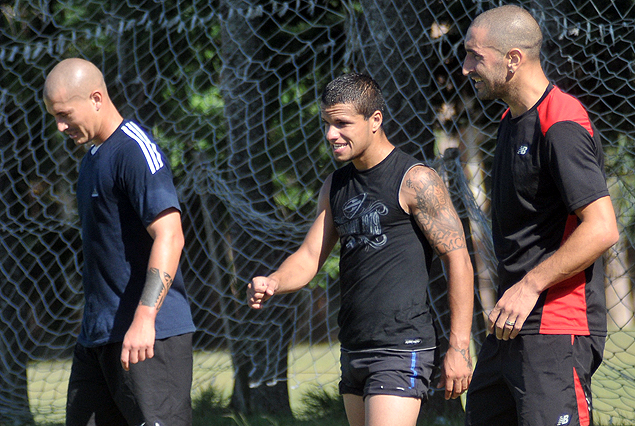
511	26
357	89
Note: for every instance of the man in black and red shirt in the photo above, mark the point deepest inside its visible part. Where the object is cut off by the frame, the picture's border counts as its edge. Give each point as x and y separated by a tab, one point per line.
552	219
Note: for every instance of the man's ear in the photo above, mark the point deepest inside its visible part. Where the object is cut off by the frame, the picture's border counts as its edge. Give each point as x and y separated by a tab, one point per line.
97	99
514	58
376	119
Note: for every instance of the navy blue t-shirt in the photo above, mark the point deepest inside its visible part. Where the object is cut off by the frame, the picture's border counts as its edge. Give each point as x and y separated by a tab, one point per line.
123	185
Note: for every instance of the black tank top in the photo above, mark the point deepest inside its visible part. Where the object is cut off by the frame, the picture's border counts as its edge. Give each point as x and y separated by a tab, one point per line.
384	260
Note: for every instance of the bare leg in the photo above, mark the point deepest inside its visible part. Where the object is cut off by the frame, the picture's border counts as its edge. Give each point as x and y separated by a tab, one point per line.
354	406
389	410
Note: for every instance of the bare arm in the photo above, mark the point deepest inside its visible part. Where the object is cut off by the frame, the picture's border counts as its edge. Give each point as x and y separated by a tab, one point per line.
425	196
299	269
595	234
166	230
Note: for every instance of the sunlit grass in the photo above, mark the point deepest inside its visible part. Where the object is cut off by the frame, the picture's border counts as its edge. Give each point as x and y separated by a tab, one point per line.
312	379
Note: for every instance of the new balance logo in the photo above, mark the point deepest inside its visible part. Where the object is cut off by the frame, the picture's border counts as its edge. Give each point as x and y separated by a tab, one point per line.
563	420
522	150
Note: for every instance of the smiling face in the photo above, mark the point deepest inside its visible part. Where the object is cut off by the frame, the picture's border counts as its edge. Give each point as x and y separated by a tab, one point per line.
486	66
75	94
348	132
74	115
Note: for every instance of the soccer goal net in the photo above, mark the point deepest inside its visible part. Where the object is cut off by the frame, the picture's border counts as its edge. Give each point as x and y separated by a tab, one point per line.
230	89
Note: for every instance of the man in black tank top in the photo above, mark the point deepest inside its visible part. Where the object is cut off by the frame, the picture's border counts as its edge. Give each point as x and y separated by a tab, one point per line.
390	212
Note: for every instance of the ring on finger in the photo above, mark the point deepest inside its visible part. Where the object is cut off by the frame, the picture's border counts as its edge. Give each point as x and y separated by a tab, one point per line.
510	323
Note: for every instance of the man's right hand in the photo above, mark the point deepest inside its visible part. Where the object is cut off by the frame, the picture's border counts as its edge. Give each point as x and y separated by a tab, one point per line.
259	290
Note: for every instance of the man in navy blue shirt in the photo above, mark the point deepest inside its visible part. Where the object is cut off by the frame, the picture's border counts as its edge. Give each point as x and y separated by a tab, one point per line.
133	359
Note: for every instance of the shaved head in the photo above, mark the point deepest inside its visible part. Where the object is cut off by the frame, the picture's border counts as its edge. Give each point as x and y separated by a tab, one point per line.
510	27
72	78
75	94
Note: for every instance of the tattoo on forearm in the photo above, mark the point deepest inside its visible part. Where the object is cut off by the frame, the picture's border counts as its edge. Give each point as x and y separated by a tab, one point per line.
155	289
434	211
465	353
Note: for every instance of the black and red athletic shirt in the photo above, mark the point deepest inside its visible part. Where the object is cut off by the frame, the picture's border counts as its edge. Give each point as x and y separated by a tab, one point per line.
548	163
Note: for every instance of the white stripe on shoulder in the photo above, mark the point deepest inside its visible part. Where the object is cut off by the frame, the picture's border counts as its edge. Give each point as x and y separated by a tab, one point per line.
149	148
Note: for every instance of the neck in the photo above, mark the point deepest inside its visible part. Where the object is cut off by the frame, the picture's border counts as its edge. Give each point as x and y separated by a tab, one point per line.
526	92
374	154
112	121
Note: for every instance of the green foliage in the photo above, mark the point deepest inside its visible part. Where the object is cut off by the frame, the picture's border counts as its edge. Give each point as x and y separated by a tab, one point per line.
210	401
208	103
319	407
330	270
210	408
290	195
319	403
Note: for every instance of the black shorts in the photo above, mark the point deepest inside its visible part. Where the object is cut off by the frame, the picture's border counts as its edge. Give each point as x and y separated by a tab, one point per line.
387	372
155	391
534	380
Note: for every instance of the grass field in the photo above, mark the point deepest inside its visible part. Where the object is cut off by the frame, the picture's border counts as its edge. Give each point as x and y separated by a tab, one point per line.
317	367
613	384
309	368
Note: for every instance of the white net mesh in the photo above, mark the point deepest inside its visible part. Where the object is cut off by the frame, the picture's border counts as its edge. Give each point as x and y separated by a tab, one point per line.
230	88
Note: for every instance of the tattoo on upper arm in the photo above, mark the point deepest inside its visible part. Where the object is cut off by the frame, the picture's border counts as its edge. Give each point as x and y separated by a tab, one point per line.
434	212
155	289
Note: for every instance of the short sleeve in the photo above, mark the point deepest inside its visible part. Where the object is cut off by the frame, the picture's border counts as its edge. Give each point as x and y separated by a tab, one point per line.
146	176
576	163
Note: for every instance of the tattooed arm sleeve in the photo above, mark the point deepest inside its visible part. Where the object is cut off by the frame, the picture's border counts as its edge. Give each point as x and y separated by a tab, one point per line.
425	196
428	200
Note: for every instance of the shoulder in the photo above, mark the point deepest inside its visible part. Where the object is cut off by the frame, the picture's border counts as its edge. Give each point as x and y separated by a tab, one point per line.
137	146
326	185
324	197
420	184
326	191
419	174
559	107
405	159
133	133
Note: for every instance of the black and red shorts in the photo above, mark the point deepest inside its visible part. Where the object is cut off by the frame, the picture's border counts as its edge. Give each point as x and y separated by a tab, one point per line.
534	379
